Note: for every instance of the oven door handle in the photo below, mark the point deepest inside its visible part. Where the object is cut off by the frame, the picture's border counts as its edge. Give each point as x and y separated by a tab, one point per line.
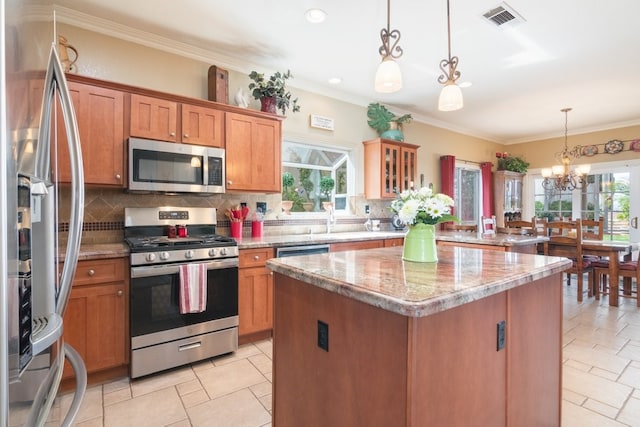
161	270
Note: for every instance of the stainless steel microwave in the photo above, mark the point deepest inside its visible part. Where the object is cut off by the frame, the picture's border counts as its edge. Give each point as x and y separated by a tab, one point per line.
175	168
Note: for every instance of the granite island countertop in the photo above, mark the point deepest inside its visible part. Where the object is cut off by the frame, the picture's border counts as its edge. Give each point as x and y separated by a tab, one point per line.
380	277
498	239
316	238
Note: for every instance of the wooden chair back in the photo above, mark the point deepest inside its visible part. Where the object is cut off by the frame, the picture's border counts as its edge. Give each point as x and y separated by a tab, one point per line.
488	224
451	226
593	229
540	225
520	231
518	224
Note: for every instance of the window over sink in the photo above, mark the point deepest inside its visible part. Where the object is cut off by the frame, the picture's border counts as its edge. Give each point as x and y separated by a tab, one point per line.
309	164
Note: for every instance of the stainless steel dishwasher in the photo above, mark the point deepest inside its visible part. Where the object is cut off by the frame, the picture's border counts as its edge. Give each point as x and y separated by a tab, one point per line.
285	251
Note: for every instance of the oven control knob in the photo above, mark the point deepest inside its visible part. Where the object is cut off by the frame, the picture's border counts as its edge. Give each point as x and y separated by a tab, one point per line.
188	254
223	251
212	252
151	257
164	256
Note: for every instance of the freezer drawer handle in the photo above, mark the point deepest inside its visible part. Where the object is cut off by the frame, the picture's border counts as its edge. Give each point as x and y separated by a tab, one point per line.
190	346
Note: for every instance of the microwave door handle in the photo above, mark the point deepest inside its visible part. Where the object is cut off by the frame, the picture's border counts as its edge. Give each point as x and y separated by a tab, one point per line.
55	78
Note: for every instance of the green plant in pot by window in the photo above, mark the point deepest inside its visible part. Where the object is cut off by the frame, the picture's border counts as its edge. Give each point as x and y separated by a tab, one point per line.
326	186
307	184
288	182
272	92
386	123
512	163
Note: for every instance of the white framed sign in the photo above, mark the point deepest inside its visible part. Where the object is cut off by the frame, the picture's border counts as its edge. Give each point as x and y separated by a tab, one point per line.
321	122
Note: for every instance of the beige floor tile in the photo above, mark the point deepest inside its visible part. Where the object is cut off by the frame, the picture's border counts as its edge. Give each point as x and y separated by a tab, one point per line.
601	408
577	416
573	397
631	332
184	423
161	380
636	394
94	422
267	402
577	365
630	351
159	408
595	357
91	404
194	398
269	376
116	385
239	409
262	389
612	376
189	387
630	376
630	413
262	363
243	352
266	346
595	387
229	378
116	396
202	365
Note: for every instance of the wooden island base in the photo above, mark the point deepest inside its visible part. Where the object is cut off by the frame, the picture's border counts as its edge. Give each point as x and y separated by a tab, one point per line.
387	369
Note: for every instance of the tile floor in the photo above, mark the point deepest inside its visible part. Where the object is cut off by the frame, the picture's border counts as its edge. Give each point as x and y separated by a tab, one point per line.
601	368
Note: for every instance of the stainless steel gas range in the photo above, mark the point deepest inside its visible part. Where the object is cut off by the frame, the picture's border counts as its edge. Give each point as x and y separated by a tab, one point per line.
163	242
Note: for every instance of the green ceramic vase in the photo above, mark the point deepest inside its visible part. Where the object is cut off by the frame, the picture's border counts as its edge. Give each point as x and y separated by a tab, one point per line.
420	244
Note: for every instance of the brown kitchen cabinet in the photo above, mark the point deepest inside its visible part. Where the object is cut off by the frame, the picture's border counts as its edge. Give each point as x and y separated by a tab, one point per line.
354	246
95	322
253	151
100	116
255	294
389	243
508	196
166	120
389	167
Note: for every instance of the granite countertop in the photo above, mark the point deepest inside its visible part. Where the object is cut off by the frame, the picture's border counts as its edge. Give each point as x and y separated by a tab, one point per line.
498	239
101	251
381	278
313	239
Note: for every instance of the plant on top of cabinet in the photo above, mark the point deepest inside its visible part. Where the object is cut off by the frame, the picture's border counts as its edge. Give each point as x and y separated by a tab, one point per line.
386	123
511	163
273	93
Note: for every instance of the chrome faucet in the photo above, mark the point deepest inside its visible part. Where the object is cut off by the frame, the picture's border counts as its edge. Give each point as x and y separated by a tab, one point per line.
331	219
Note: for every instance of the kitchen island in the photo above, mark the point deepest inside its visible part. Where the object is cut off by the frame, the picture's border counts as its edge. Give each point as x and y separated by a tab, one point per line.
363	338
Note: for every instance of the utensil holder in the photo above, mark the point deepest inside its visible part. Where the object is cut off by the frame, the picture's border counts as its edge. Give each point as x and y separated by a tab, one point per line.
236	229
256	228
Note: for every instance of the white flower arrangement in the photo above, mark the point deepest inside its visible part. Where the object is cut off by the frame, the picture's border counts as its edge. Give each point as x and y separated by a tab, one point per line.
423	207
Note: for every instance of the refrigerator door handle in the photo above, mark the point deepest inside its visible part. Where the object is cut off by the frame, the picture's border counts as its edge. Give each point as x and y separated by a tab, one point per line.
80	372
55	78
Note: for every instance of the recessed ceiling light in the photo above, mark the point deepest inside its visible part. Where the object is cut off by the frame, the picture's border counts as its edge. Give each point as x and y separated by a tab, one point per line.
315	16
335	80
465	84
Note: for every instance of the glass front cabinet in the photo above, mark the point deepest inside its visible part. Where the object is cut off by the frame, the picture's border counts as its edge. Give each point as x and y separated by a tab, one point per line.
389	167
508	196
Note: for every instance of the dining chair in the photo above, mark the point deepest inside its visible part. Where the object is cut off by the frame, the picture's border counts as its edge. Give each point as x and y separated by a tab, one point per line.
628	270
565	240
451	226
593	229
518	224
488	224
541	225
520	231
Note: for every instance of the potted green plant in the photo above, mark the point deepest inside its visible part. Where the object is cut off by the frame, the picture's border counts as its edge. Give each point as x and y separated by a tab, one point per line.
386	123
326	187
307	184
272	92
287	197
512	163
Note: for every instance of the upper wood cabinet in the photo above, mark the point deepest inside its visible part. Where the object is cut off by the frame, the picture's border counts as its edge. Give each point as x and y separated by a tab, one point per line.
253	151
508	196
157	118
389	167
100	115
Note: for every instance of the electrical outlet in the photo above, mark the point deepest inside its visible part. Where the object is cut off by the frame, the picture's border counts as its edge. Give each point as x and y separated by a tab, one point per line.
323	335
367	209
502	335
261	207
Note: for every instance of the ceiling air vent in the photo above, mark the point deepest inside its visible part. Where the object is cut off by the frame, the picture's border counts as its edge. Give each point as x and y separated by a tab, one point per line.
503	14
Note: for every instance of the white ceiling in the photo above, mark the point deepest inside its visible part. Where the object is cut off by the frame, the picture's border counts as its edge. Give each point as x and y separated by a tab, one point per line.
583	54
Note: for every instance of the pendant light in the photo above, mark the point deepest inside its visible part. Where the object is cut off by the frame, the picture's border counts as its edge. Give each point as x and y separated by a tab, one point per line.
388	75
451	95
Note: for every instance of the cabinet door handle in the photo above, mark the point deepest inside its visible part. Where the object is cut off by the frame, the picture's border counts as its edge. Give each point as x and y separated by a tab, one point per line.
229	182
186	135
119	293
634	222
256	257
91	272
118	176
172	134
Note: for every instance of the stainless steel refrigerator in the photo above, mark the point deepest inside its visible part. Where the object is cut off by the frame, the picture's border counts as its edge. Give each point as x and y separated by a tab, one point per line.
36	264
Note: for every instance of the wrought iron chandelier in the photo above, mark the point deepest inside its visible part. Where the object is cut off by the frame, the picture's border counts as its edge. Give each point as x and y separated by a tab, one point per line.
388	75
561	177
451	95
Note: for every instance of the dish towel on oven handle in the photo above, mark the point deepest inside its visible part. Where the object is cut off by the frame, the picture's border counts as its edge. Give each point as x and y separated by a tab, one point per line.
193	288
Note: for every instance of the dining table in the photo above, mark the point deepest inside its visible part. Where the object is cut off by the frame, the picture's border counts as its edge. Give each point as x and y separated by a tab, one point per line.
613	250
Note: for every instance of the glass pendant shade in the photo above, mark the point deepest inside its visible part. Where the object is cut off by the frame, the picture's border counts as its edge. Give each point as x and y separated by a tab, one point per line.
388	76
450	98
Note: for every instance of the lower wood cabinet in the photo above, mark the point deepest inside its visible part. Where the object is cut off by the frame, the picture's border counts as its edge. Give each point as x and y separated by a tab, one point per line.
394	242
354	246
255	293
95	322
